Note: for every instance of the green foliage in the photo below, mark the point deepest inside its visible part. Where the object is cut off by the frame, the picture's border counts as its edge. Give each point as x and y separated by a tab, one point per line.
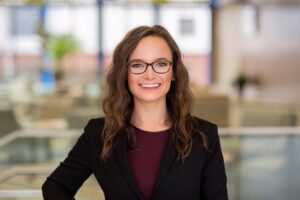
35	2
241	80
61	46
159	2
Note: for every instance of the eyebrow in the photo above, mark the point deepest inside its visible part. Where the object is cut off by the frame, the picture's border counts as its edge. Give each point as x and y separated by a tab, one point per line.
157	59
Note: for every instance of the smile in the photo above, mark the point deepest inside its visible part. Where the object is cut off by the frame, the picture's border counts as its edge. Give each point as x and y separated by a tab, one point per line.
150	85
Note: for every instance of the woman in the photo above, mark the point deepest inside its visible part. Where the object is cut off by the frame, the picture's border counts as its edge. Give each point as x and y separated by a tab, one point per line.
148	146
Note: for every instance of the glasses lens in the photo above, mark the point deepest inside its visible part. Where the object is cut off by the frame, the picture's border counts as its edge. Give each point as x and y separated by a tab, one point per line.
137	67
161	66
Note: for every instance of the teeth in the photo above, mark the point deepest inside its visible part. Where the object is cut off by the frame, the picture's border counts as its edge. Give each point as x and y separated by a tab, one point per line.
150	85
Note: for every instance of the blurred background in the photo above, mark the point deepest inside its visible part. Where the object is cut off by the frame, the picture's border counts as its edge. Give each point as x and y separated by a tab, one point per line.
243	57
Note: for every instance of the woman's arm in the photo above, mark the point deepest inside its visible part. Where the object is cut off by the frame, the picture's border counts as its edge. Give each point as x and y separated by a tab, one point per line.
67	178
214	177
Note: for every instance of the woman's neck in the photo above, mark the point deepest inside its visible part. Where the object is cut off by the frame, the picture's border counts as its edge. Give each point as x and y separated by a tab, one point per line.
150	117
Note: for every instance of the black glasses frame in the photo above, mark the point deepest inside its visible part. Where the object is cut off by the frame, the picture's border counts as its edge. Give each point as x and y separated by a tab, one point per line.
149	64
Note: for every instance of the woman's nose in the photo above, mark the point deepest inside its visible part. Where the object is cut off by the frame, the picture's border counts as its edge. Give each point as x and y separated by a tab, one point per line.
149	73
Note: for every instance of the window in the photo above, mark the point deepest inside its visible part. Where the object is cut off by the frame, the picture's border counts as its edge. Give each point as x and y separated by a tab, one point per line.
25	20
187	26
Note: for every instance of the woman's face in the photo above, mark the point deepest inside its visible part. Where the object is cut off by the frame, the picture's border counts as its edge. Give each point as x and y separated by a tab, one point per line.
150	86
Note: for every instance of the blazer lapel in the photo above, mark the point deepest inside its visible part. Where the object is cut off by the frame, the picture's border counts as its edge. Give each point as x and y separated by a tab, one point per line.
168	159
121	152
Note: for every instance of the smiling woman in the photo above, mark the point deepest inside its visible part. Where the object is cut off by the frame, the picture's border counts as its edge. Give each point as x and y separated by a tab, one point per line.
150	86
148	143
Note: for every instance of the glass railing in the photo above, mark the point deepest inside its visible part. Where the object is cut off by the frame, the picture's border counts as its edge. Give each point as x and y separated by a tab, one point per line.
261	163
28	157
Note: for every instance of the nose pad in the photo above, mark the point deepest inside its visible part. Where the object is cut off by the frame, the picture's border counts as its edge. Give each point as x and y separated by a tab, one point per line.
149	73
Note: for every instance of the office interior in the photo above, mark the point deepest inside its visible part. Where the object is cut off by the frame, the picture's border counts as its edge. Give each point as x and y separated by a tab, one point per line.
243	58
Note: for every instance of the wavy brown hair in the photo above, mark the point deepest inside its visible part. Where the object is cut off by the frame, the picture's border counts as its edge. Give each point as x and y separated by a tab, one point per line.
118	101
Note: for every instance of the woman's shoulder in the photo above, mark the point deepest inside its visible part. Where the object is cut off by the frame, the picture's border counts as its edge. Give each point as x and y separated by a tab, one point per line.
203	124
209	129
96	122
93	128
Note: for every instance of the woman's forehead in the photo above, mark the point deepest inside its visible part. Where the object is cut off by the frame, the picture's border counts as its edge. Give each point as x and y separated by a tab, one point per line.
151	48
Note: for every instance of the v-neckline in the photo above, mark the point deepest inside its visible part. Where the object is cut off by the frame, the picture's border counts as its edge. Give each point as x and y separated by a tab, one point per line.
121	152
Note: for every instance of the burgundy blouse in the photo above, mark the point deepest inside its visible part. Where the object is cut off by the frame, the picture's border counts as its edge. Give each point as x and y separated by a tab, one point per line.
146	157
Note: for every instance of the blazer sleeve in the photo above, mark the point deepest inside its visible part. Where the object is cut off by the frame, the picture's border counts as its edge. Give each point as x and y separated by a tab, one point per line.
67	178
214	178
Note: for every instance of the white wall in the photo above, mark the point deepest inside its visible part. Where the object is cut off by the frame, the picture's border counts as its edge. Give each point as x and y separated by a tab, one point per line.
4	30
228	46
82	22
119	20
6	48
200	41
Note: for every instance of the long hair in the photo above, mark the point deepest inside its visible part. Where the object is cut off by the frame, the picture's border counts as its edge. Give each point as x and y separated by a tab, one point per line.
118	101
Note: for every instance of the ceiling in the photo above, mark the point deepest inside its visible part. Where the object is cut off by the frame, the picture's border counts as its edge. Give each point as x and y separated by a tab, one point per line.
79	2
256	2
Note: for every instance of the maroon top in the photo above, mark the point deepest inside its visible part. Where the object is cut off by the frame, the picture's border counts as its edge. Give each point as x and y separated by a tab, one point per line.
146	158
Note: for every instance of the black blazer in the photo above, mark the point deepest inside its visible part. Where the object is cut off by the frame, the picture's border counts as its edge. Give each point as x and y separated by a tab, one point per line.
200	177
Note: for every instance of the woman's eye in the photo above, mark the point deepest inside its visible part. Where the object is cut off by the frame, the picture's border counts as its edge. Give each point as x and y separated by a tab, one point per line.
136	65
161	64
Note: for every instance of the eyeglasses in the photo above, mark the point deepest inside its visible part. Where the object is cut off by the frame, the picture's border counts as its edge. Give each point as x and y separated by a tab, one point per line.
139	67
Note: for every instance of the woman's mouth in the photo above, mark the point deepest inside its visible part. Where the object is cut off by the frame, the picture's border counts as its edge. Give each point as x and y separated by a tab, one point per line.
150	85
